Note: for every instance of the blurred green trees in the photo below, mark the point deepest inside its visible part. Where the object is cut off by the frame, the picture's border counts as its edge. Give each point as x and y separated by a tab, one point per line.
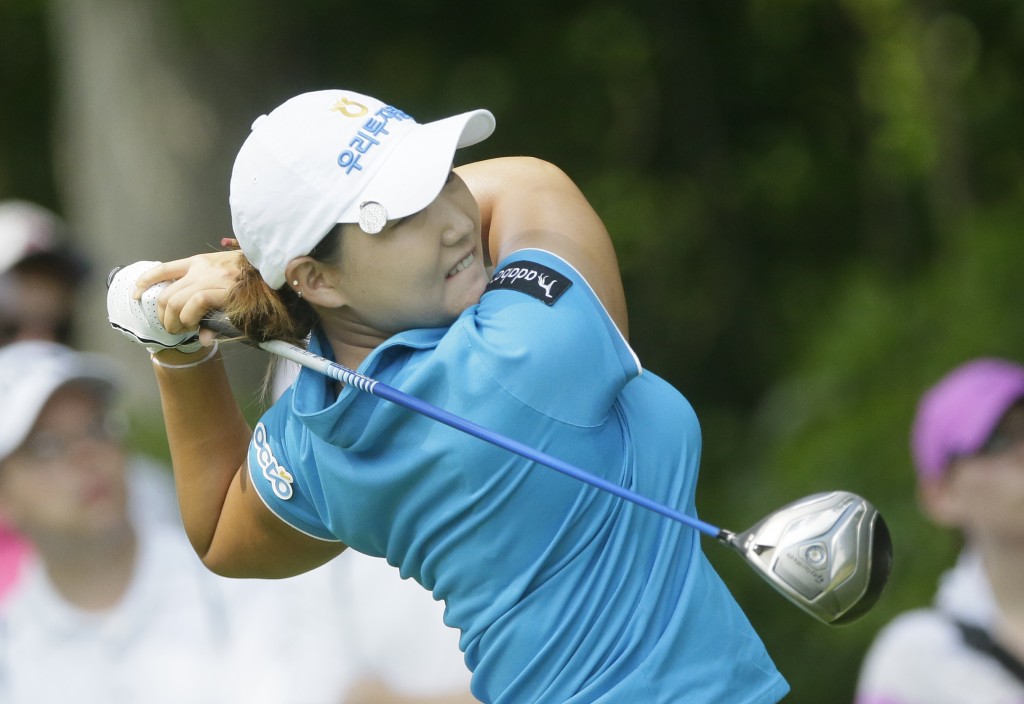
815	204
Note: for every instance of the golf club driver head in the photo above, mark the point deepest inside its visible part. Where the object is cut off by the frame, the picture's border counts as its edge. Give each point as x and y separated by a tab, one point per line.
828	553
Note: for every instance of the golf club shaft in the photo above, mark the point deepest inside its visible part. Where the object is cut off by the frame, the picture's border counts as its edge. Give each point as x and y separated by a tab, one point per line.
364	383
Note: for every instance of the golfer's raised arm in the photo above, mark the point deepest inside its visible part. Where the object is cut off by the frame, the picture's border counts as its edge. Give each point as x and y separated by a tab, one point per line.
530	203
230	528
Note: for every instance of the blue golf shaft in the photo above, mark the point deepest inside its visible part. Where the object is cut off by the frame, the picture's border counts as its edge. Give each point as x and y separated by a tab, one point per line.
341	373
220	324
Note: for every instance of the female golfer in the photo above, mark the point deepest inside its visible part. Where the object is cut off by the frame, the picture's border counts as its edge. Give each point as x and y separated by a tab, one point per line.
357	233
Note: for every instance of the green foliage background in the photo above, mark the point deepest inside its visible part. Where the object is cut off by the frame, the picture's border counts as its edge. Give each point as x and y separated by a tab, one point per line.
816	206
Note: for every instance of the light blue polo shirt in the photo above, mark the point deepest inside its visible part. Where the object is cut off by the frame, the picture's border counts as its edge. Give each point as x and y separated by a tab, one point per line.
562	592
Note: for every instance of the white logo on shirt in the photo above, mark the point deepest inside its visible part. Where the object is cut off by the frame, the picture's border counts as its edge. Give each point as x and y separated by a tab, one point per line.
543	282
533	279
280	478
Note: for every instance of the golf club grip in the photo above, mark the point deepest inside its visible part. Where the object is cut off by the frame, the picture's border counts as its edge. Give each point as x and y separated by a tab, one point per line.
222	326
219	323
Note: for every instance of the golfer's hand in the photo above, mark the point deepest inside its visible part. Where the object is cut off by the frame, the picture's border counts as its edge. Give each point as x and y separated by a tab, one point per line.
195	286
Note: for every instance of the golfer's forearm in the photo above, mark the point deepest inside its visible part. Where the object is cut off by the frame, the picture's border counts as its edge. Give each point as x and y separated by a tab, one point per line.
208	438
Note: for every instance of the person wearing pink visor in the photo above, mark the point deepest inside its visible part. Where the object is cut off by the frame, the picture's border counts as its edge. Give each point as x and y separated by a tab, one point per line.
967	442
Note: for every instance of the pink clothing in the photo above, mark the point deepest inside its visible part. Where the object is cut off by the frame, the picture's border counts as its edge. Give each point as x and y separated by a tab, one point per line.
13	551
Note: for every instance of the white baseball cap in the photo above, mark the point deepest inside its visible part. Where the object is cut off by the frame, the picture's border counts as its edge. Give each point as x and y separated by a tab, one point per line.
31	372
335	156
30	231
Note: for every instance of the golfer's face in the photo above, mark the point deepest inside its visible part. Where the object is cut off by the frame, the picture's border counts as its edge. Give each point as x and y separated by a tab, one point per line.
420	271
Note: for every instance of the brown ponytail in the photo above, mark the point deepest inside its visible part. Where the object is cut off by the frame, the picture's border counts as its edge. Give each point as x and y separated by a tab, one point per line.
262	313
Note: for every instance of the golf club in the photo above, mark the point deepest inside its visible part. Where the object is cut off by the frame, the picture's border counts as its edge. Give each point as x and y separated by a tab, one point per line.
829	553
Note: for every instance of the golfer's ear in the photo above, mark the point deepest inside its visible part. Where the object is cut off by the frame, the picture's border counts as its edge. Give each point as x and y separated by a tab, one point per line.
315	281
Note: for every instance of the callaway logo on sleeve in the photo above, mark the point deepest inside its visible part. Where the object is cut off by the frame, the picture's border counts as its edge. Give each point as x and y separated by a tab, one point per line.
533	279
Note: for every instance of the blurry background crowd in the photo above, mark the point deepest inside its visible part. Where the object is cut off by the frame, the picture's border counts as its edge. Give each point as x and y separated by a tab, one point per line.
816	204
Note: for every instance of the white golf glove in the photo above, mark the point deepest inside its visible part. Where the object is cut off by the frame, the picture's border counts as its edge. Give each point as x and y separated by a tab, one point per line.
138	319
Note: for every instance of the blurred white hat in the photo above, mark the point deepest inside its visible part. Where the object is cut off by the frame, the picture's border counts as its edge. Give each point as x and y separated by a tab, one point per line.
31	372
30	231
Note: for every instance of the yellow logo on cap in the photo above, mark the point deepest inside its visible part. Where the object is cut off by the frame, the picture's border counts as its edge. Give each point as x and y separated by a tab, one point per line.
349	108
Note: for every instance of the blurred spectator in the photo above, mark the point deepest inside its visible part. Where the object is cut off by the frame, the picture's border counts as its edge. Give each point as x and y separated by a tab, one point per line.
968	647
353	626
40	279
41	276
113	609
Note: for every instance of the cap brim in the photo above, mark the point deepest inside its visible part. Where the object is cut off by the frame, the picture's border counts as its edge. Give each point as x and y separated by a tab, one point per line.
66	263
416	171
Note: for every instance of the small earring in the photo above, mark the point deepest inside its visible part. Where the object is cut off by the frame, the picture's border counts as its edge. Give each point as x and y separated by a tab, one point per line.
295	282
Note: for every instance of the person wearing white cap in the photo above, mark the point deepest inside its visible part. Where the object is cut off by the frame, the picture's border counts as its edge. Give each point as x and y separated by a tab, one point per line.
116	610
102	613
356	232
967	443
41	277
40	274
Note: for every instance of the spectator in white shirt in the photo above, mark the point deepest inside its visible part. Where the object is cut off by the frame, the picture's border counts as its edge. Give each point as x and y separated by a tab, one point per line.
111	608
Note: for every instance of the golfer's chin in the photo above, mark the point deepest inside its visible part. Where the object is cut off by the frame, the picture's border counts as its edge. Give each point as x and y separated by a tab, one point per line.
467	290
